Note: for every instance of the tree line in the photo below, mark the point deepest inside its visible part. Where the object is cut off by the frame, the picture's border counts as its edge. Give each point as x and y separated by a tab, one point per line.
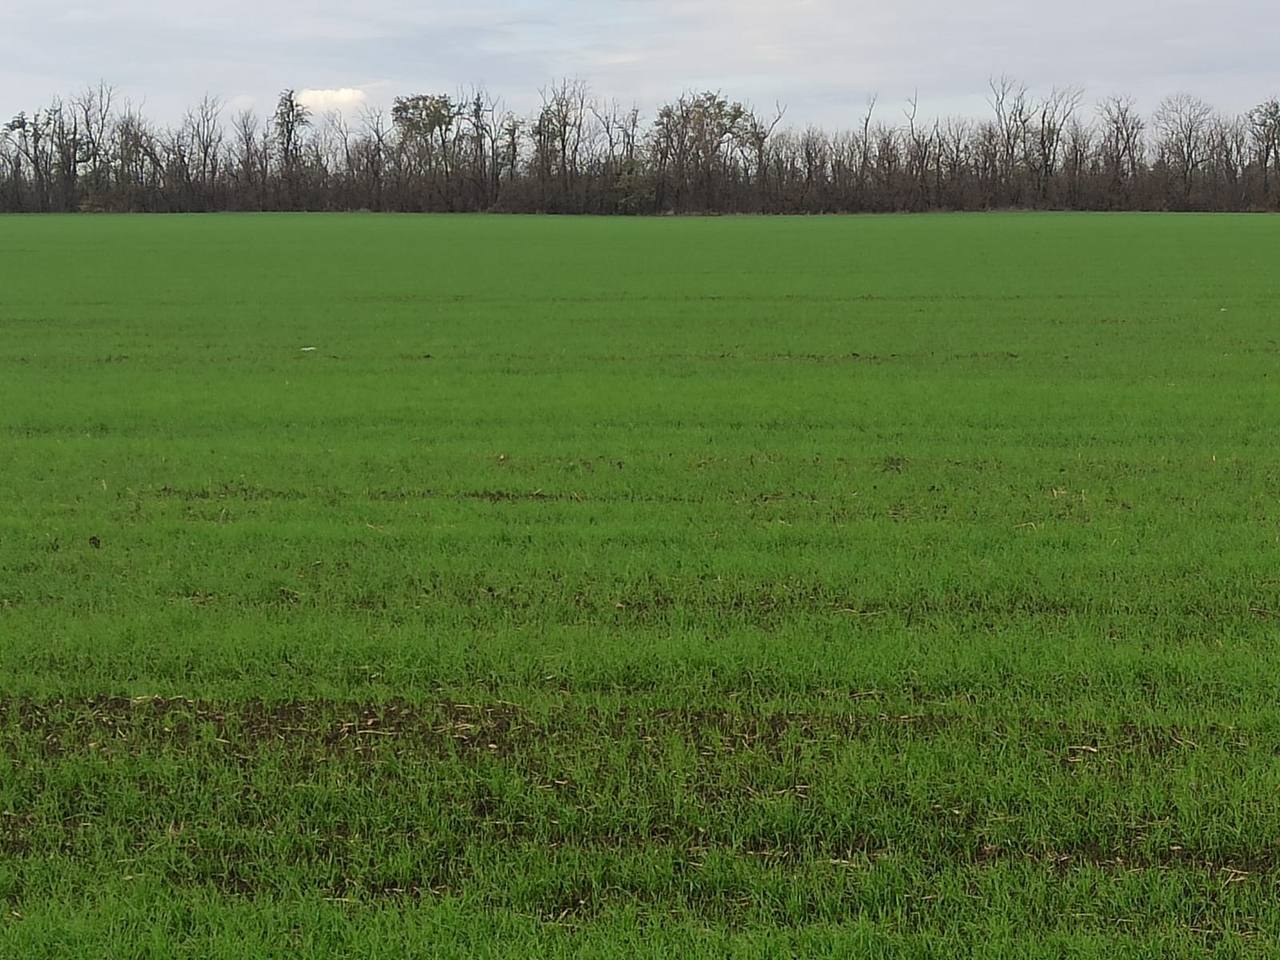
700	153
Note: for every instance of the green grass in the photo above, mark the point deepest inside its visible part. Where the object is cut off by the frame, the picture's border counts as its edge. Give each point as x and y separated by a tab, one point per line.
900	587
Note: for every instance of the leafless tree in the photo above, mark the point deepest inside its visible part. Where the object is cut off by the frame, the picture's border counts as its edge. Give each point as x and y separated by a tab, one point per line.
1182	122
203	128
1011	104
1264	132
1052	116
1121	145
92	110
701	152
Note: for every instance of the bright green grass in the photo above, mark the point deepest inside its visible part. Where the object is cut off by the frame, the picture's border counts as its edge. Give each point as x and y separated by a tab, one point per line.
822	587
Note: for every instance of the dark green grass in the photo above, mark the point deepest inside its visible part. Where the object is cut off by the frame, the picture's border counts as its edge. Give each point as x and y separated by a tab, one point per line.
760	587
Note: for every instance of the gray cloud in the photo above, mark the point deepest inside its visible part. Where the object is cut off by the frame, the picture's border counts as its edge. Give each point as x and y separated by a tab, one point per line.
822	58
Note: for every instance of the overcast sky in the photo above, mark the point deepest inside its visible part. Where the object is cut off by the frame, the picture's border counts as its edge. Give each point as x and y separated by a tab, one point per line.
821	58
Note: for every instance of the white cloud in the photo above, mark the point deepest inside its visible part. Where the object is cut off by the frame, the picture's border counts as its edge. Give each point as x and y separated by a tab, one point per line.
342	99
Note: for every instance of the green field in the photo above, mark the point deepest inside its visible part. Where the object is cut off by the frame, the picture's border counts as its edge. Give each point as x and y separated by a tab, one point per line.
513	587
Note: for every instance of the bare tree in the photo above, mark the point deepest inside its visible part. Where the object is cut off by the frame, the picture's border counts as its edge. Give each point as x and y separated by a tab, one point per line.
253	153
1182	122
1227	160
92	109
1264	131
921	141
955	156
370	156
1121	145
1011	105
1052	115
559	132
203	125
1078	164
701	152
753	143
